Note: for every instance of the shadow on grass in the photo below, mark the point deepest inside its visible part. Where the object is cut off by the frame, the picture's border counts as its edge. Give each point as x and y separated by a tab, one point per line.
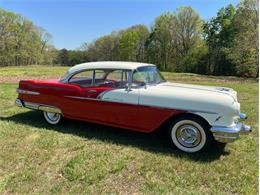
156	142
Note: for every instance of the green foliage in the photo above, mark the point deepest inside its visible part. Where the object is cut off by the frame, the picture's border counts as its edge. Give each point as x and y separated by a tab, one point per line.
21	42
132	43
66	57
104	48
195	61
161	43
232	39
219	35
127	45
63	57
173	37
178	41
245	51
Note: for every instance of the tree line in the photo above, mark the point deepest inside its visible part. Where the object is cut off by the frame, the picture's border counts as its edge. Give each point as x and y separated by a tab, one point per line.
178	41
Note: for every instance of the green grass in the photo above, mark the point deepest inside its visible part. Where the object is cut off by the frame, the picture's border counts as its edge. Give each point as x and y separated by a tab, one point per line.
79	157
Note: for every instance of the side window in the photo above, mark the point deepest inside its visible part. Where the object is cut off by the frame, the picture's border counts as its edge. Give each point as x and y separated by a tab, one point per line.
116	75
99	77
114	79
139	79
83	79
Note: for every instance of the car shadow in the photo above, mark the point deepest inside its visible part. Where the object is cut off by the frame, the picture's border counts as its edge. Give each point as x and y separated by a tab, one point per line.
156	142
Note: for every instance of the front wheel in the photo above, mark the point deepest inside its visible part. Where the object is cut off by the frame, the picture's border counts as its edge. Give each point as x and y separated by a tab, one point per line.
190	134
52	118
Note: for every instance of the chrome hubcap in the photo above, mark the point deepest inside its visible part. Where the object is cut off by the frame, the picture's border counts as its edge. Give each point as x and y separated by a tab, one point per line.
53	116
188	136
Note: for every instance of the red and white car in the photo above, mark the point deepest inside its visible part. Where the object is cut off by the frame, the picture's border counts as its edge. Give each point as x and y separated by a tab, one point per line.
135	96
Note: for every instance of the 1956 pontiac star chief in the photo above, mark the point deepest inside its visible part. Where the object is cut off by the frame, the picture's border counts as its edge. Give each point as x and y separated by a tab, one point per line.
135	96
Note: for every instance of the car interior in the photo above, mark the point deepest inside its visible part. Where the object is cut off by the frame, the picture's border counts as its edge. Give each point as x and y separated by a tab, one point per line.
103	78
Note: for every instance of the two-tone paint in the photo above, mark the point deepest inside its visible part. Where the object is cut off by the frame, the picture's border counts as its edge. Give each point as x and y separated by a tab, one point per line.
142	108
84	104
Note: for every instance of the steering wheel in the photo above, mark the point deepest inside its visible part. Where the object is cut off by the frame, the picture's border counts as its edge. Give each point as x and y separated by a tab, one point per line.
108	82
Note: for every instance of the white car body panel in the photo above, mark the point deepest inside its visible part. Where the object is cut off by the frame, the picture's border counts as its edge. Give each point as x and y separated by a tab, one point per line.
209	102
108	65
122	96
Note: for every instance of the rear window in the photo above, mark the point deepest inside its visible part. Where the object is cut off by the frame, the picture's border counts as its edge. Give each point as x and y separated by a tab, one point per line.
83	79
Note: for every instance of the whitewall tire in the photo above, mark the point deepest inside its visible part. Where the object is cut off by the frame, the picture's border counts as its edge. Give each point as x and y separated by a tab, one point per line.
52	118
190	134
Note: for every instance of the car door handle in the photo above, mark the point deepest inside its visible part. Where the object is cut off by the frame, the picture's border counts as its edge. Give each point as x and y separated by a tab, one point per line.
92	91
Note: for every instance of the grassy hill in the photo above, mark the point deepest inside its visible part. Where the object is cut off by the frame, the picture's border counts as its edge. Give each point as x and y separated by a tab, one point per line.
79	157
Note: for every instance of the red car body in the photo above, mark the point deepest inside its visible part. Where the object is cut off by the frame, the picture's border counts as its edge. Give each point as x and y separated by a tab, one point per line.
133	117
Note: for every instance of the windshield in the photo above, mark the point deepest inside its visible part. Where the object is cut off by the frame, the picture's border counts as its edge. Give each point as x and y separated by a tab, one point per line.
147	75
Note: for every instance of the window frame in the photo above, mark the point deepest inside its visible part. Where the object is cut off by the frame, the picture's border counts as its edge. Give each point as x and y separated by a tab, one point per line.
128	71
137	70
78	72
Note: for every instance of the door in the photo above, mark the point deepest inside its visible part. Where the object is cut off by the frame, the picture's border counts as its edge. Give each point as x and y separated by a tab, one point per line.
103	98
118	106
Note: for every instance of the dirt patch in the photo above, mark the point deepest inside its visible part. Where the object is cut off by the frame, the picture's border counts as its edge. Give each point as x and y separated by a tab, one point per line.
16	79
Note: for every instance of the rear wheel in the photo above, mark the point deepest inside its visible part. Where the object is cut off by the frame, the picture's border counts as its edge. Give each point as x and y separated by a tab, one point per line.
190	134
52	118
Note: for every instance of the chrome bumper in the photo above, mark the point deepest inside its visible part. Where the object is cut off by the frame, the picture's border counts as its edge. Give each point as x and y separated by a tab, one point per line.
18	102
36	106
230	134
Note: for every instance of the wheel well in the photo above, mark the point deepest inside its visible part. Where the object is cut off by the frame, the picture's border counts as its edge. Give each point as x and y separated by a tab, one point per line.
174	117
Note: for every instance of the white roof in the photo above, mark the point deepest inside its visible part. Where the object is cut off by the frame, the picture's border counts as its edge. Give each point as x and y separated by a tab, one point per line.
108	65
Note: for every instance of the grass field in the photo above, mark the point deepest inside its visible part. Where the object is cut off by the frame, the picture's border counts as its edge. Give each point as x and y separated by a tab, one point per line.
79	157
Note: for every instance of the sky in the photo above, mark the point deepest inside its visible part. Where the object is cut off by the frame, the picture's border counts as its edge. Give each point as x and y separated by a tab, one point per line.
72	22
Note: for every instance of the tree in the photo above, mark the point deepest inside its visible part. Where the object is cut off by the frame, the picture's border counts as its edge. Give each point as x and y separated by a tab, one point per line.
188	29
173	36
128	45
63	57
132	43
21	42
219	33
143	34
104	48
49	55
45	37
161	42
245	51
189	45
76	57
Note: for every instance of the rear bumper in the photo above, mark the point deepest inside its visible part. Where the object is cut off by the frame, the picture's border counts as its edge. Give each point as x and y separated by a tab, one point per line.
37	106
230	134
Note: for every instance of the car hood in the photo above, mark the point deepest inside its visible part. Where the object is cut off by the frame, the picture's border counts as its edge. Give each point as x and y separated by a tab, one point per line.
199	89
219	100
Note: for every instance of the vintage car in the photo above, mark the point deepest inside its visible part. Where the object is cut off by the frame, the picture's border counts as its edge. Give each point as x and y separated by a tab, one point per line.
135	96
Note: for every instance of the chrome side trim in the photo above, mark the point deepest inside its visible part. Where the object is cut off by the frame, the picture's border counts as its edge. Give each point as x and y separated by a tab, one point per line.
36	106
49	109
201	111
82	98
18	90
31	105
230	134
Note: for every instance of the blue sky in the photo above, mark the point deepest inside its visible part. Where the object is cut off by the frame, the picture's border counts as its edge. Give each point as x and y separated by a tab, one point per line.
72	22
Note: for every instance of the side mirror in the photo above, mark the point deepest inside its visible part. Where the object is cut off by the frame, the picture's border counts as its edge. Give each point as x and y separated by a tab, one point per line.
128	86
